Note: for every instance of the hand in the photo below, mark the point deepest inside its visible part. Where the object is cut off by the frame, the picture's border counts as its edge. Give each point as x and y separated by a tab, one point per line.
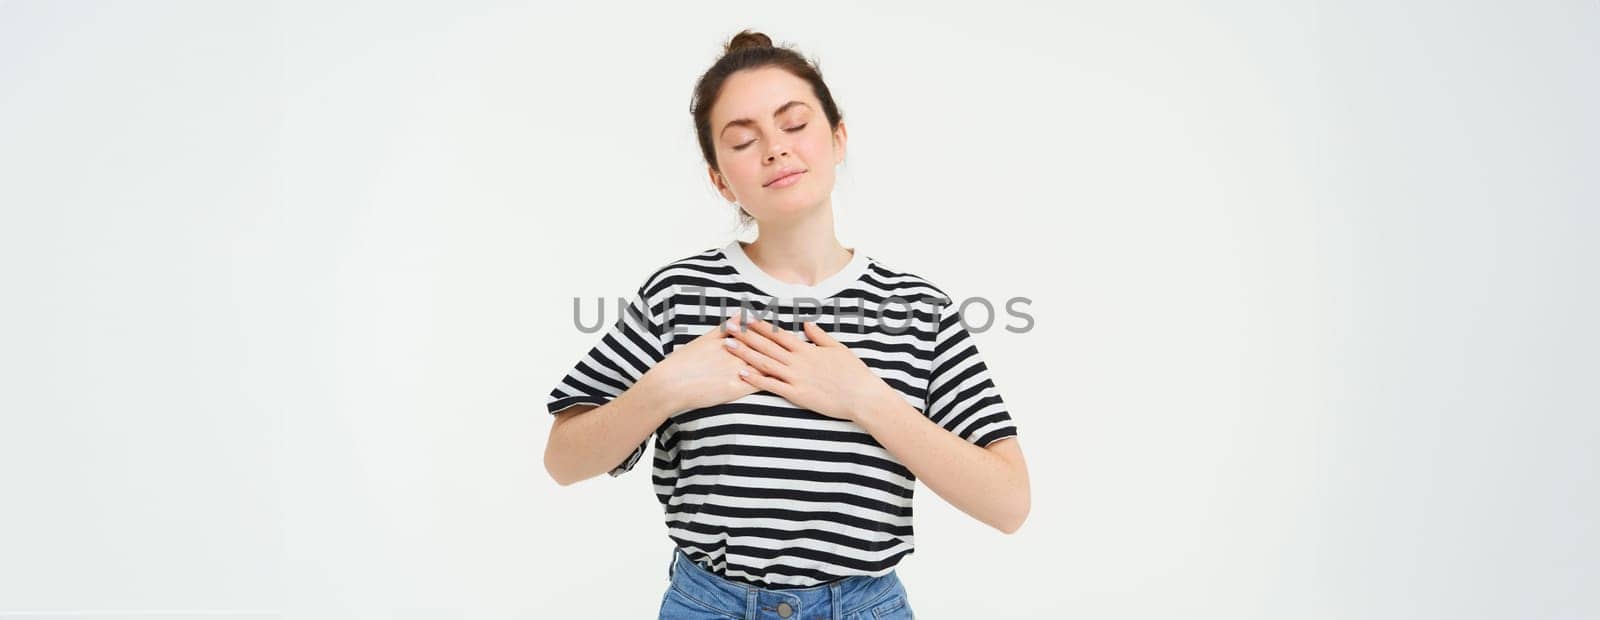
822	375
701	373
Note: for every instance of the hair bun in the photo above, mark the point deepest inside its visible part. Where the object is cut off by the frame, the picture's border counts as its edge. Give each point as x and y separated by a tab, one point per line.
746	39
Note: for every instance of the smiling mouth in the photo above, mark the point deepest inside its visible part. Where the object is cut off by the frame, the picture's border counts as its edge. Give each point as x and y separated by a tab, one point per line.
784	177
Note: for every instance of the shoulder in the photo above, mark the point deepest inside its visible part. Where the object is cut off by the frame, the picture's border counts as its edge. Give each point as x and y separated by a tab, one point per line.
666	273
891	280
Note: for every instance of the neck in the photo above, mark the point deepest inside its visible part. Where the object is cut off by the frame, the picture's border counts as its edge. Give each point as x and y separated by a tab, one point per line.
802	251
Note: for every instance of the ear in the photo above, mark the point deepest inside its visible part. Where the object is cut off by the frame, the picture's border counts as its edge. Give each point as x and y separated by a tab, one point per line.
718	181
840	138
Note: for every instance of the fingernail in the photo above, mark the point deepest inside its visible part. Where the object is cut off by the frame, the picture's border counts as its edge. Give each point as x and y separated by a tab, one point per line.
733	323
732	344
744	373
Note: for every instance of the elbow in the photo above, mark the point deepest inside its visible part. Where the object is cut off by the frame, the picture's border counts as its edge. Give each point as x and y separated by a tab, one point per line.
548	469
562	481
559	477
1010	526
552	466
1016	516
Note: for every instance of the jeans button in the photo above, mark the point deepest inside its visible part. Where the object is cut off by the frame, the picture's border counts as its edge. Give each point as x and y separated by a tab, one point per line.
784	610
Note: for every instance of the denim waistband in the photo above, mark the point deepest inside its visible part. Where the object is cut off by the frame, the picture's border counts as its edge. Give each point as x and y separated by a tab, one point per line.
835	599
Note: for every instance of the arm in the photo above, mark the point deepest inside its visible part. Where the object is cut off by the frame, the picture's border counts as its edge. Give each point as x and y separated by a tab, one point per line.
990	484
586	441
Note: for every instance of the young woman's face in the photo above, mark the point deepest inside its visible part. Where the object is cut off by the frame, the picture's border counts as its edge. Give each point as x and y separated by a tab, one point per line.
766	123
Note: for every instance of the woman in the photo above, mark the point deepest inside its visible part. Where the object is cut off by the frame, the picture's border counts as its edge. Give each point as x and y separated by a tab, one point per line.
789	437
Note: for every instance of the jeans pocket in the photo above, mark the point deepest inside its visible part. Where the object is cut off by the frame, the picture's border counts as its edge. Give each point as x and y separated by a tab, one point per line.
678	605
893	608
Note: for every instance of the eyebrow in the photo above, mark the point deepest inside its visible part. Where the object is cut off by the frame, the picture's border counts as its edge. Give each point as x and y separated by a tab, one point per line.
745	122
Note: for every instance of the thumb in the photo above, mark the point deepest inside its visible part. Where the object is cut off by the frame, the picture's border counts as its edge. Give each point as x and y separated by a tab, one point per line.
819	337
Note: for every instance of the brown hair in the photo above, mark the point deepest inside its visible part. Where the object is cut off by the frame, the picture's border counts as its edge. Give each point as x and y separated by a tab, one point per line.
752	50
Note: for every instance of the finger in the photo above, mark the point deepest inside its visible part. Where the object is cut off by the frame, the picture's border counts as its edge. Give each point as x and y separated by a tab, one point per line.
729	325
763	344
717	331
755	359
783	337
766	383
819	337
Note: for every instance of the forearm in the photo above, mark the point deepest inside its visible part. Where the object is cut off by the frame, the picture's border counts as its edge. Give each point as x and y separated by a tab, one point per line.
973	479
588	443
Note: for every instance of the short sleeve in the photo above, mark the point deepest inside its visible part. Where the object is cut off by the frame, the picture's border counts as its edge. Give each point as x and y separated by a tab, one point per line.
628	348
962	397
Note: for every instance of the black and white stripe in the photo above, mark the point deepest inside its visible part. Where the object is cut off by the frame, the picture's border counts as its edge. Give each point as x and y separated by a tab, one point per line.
759	490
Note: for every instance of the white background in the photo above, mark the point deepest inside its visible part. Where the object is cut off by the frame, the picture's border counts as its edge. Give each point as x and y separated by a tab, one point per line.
285	287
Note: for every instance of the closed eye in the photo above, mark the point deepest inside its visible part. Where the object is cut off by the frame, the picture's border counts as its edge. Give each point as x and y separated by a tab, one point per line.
790	130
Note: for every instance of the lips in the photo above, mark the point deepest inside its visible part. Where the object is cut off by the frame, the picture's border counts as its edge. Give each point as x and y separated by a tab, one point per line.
781	176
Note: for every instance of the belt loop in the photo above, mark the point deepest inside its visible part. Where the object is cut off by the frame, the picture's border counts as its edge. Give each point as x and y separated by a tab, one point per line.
836	593
750	608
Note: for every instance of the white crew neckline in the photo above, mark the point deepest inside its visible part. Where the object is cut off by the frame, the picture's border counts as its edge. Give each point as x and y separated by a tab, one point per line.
828	287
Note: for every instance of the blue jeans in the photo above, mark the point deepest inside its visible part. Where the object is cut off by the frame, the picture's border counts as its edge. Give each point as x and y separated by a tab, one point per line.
698	594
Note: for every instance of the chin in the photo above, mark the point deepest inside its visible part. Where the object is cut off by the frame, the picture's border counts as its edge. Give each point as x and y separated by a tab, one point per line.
787	208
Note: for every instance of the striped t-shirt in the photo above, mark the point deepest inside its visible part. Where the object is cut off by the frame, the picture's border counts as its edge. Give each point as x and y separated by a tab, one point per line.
760	490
